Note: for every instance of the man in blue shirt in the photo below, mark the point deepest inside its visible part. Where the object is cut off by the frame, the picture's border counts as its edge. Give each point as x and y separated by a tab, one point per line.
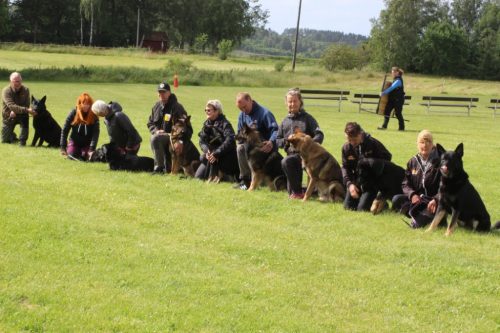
262	120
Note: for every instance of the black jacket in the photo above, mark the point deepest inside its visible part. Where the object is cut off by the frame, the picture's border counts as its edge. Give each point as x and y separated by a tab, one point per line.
120	128
369	147
420	179
305	122
217	136
162	116
81	134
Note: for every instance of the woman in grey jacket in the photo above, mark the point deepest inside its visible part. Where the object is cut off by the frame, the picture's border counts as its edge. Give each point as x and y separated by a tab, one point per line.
292	163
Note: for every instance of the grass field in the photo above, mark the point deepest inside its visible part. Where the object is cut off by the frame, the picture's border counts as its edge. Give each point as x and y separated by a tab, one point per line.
85	249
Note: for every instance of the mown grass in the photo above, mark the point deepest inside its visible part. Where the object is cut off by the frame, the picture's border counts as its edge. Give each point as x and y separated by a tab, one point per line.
86	249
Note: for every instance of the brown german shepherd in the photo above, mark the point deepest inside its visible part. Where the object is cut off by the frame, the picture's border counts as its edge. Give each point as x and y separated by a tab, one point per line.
322	168
264	166
189	159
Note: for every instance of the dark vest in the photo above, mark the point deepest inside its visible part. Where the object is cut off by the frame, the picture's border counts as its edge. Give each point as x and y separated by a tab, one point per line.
398	94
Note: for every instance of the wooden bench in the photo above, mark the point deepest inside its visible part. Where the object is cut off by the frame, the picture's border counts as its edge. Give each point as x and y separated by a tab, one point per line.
495	106
460	104
330	95
370	99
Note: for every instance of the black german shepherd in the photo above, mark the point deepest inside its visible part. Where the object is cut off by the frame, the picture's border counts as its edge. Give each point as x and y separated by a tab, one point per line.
264	166
46	128
375	174
457	196
128	162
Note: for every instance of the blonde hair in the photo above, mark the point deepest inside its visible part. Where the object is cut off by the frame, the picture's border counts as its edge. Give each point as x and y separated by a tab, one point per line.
216	104
295	92
425	135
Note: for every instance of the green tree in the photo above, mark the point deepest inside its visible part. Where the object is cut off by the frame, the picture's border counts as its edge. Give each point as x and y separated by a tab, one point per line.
4	18
465	14
225	47
396	33
488	42
340	56
200	43
443	50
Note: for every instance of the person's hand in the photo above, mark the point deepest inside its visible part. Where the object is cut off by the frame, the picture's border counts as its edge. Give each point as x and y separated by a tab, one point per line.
431	207
90	155
178	147
415	199
12	115
381	94
63	152
354	191
211	158
159	131
31	112
267	146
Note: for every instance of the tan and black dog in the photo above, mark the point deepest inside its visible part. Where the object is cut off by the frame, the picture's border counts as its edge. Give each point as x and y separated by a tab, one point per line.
189	159
264	166
322	168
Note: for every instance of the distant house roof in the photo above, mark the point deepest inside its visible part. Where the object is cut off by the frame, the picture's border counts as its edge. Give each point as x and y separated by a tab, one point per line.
156	41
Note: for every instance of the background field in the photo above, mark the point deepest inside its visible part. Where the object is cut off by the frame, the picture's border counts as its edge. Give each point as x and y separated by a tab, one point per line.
86	249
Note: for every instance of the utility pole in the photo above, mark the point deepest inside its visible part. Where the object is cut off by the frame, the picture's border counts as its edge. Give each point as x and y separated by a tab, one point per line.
138	24
296	38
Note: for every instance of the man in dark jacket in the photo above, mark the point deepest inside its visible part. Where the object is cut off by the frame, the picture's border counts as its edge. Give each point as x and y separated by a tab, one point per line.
15	110
297	118
359	145
120	129
160	123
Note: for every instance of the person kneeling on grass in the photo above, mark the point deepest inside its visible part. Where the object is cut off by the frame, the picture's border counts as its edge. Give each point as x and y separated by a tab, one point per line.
297	117
359	145
218	159
421	183
84	126
120	129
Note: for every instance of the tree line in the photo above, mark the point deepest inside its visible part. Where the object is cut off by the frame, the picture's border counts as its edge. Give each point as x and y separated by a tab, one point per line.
460	38
123	23
313	43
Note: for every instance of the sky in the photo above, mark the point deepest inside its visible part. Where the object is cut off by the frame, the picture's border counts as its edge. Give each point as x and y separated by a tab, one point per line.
348	16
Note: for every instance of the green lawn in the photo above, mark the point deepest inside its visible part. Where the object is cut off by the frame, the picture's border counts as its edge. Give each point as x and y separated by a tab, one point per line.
86	249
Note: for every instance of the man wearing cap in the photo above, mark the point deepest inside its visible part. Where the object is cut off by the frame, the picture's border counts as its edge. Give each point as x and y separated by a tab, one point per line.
160	125
15	110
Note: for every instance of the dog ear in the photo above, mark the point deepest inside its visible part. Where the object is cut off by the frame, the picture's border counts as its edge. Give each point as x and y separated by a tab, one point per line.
440	150
44	98
460	150
33	98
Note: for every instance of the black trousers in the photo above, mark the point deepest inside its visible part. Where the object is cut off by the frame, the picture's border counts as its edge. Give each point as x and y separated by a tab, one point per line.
292	167
397	106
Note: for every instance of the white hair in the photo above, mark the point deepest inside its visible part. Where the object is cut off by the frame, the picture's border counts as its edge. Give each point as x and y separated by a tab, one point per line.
100	108
216	104
14	75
